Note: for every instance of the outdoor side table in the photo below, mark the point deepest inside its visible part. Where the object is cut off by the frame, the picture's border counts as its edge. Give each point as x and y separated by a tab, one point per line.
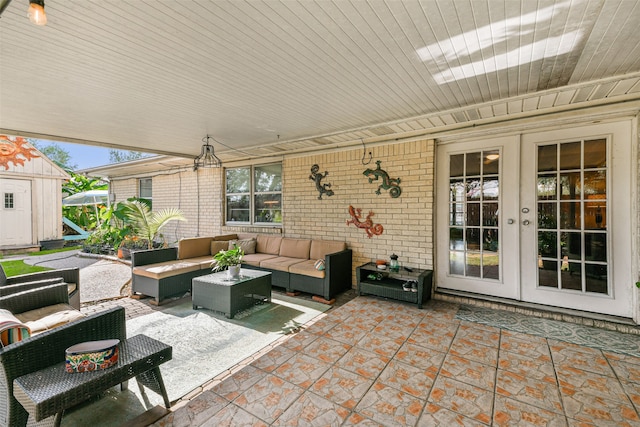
51	390
217	293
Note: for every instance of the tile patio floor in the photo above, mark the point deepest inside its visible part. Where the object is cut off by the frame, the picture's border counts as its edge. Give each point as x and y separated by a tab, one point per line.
373	362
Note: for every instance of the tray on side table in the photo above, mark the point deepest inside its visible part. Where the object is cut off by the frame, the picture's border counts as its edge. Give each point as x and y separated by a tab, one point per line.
388	284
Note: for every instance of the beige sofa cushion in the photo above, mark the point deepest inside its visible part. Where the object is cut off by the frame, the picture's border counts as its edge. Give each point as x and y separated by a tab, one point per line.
204	261
268	244
281	263
295	248
256	259
226	237
193	247
307	268
247	245
166	269
320	248
44	318
219	245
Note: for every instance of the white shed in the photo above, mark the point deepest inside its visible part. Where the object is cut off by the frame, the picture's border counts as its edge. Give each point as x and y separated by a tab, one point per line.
30	195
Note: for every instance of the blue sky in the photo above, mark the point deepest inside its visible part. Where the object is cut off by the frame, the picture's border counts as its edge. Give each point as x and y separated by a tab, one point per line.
83	156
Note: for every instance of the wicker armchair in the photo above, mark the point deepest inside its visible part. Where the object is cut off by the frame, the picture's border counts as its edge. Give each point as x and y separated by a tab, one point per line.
46	349
70	276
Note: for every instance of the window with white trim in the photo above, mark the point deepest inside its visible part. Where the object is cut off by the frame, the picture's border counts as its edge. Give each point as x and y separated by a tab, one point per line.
145	189
254	195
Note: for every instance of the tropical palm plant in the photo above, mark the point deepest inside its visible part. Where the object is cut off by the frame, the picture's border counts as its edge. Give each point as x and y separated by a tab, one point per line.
147	224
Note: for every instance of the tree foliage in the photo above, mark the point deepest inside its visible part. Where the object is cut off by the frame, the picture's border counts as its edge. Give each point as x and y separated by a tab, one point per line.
119	156
56	154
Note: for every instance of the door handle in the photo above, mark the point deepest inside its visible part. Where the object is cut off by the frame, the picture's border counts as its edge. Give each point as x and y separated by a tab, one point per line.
526	222
510	221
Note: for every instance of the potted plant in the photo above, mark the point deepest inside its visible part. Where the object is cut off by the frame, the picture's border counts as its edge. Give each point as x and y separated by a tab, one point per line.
231	260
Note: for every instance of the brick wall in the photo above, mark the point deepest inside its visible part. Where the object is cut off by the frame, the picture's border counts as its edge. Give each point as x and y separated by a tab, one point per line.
407	220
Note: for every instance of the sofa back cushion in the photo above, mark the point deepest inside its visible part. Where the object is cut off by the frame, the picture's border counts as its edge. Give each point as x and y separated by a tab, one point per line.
295	248
194	247
320	248
219	245
268	244
247	245
226	237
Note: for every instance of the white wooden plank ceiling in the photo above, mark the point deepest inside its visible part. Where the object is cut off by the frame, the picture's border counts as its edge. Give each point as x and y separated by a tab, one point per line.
268	77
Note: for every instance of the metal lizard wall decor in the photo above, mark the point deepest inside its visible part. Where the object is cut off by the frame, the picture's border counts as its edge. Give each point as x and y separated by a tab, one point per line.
368	225
390	184
317	177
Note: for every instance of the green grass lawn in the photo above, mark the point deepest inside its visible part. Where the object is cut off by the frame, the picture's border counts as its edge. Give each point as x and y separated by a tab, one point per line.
17	267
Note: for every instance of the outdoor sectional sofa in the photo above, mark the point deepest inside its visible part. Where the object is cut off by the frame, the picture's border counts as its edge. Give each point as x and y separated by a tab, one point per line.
160	273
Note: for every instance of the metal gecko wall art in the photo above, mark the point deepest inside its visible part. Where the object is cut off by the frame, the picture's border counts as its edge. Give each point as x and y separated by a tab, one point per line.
369	227
317	177
11	149
391	184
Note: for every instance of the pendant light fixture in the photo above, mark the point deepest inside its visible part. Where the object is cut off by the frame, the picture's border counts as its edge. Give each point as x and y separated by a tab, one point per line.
36	12
207	157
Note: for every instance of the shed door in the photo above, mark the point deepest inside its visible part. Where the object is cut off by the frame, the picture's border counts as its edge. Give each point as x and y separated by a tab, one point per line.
15	212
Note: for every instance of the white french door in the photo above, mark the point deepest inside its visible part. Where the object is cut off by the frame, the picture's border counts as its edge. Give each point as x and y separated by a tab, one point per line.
477	190
577	188
542	218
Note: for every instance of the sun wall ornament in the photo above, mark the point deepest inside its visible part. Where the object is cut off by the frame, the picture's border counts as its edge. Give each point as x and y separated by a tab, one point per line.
391	184
369	227
12	149
317	177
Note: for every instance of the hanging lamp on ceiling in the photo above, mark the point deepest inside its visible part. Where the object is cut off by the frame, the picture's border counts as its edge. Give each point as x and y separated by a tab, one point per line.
207	157
36	12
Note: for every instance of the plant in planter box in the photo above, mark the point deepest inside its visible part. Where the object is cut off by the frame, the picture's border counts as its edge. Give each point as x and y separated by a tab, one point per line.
229	259
129	244
146	224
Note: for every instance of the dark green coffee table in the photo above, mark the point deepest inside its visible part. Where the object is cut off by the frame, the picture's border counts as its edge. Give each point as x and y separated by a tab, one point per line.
215	292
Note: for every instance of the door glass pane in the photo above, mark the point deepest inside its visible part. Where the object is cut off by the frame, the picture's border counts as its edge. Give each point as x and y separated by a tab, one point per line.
570	186
473	239
491	162
490	188
579	218
474	187
456	263
570	155
456	190
456	215
595	215
473	214
570	215
547	158
456	239
595	154
473	264
474	161
547	217
456	165
474	193
596	278
548	273
595	247
547	187
490	214
571	244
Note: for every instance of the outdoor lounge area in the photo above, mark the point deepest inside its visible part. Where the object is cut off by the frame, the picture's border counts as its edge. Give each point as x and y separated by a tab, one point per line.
438	202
